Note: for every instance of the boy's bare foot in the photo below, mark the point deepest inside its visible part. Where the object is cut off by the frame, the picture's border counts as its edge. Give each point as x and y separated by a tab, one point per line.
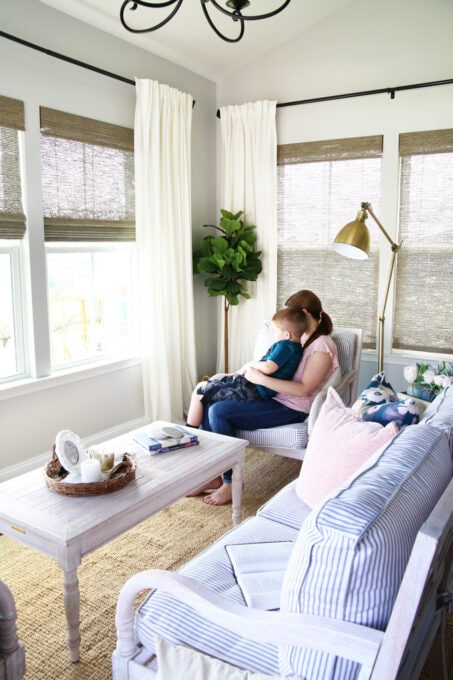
213	484
222	496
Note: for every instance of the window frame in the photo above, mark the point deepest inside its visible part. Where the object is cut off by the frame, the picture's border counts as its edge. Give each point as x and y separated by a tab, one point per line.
331	152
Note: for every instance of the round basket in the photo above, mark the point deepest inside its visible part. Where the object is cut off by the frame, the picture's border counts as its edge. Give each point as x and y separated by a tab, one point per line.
119	476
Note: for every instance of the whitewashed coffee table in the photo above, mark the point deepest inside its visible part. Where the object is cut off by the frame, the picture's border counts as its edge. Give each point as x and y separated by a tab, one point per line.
67	528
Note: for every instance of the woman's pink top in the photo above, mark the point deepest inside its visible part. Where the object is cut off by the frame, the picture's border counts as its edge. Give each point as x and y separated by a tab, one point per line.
322	344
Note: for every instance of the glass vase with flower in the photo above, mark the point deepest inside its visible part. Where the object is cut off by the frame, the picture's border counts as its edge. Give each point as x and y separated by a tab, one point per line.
425	382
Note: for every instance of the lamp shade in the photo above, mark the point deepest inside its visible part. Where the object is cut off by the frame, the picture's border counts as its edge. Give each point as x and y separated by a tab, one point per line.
354	239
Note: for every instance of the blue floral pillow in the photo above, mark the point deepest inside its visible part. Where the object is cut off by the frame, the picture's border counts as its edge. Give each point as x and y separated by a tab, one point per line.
378	391
403	412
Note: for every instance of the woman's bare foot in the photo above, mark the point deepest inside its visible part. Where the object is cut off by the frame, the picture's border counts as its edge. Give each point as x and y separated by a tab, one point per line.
222	496
213	484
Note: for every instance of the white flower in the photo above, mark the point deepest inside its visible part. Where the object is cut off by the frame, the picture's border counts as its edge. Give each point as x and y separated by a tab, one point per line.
443	380
429	376
410	373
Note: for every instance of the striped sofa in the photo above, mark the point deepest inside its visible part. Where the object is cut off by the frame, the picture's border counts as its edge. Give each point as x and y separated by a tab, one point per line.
360	574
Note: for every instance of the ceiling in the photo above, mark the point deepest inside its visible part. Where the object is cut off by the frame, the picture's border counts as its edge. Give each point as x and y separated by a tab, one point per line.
188	40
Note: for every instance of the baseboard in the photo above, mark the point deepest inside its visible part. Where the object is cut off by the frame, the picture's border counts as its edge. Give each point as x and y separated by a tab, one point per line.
42	459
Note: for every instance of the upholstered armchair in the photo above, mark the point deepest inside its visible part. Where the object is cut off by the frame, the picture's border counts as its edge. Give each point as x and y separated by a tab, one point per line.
291	440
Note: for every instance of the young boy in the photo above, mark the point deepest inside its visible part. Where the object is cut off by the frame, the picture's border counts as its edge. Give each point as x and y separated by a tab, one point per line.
280	361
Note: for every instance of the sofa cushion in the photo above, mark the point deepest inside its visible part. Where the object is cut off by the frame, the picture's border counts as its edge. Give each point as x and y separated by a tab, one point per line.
339	444
378	391
285	507
178	661
163	616
440	413
352	549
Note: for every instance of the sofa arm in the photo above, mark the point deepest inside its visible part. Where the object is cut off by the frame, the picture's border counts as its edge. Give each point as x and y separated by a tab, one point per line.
349	640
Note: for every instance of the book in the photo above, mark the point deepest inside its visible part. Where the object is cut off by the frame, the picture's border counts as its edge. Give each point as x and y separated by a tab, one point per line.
259	569
160	443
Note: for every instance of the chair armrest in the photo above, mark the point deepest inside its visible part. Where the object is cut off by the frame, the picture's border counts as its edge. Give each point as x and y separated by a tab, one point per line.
349	640
346	380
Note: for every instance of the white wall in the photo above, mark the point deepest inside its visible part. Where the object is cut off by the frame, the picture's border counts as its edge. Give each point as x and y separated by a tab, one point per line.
366	45
102	401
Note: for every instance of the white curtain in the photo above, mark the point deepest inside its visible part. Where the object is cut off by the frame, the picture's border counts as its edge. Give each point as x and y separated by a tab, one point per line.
163	120
249	183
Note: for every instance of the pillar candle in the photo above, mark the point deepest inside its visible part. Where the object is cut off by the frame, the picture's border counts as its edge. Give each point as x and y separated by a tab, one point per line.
90	470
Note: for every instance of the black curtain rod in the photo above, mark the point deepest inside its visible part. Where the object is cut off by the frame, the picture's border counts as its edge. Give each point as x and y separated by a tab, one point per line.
70	60
63	57
385	90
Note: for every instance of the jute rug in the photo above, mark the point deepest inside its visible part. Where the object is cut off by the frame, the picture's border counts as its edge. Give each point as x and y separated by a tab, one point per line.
165	541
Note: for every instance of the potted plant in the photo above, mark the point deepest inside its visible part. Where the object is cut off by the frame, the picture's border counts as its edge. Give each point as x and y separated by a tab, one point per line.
229	260
425	382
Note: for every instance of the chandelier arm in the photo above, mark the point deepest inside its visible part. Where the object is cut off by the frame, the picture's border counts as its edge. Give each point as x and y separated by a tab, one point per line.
237	17
154	5
243	17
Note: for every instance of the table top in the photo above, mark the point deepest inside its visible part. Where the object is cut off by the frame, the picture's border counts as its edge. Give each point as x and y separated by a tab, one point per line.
28	506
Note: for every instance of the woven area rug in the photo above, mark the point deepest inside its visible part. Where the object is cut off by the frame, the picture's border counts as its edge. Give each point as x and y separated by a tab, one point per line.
165	541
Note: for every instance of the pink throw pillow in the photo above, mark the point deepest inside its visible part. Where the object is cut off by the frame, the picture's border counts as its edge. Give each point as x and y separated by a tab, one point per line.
339	444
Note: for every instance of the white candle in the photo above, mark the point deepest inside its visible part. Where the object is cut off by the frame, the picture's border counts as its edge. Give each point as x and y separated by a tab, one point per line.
90	470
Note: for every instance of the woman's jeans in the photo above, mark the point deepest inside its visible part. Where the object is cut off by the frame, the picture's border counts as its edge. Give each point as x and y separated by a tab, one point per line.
225	417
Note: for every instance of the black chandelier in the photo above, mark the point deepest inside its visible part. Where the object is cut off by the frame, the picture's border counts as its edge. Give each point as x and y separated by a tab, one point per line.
235	13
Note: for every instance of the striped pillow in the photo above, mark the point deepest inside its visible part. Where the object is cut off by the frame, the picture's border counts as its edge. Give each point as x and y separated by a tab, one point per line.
352	550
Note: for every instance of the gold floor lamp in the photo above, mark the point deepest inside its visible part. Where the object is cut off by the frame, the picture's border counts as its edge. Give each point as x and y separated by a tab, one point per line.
354	241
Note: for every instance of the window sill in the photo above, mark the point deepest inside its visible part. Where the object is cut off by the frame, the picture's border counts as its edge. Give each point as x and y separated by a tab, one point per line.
29	385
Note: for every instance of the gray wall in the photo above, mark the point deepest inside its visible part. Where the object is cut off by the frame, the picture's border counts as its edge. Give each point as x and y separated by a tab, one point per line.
93	403
365	45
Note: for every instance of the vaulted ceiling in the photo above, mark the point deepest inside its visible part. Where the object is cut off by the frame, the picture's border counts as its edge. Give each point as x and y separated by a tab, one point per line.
189	41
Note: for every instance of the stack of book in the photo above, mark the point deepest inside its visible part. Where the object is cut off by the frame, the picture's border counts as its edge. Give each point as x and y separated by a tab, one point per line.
169	439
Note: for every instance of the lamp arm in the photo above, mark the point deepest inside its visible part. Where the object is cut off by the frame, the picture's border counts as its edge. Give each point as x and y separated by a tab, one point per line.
367	207
395	248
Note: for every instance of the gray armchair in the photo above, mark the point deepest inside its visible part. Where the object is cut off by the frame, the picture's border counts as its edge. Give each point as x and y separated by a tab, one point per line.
291	440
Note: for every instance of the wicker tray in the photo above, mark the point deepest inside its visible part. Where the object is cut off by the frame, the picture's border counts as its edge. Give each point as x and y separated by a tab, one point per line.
120	475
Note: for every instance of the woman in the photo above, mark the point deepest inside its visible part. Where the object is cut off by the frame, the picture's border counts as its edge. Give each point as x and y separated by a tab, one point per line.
294	397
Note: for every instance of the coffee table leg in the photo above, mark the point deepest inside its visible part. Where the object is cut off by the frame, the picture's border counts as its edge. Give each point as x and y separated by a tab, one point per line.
71	596
237	492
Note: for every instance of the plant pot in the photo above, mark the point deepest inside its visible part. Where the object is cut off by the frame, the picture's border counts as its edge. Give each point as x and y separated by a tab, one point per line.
421	391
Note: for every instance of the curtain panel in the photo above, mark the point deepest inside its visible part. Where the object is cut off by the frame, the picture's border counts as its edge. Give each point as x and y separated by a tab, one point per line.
249	183
163	122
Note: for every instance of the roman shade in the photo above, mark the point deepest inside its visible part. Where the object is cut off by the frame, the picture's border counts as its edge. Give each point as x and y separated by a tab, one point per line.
88	178
12	122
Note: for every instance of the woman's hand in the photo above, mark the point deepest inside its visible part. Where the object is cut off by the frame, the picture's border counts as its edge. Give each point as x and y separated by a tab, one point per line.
254	375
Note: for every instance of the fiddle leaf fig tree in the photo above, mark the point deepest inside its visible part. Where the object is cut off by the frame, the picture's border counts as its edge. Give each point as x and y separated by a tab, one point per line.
229	261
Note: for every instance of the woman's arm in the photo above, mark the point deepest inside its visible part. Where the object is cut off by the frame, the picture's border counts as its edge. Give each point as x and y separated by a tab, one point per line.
315	374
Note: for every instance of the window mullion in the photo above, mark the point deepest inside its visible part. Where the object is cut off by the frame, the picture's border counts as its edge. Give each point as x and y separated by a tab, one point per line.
35	275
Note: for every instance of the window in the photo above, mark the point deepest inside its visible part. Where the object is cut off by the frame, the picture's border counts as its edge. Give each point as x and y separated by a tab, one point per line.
424	299
321	186
12	230
88	196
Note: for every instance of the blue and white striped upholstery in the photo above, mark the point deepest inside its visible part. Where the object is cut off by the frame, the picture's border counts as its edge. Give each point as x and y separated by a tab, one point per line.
440	413
160	615
352	550
292	440
286	508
